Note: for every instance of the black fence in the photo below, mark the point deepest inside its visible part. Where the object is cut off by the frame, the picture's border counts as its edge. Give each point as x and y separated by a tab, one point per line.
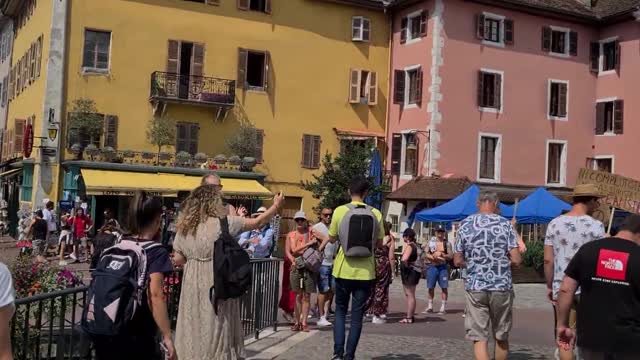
47	326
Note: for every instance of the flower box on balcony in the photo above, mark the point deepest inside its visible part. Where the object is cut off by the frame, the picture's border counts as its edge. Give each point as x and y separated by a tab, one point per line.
216	98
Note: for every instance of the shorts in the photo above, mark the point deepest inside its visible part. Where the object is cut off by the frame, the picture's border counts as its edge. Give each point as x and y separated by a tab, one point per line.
410	277
488	310
437	274
326	281
39	247
302	280
65	237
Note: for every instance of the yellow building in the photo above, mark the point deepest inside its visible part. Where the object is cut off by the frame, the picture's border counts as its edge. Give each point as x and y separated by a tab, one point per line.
307	73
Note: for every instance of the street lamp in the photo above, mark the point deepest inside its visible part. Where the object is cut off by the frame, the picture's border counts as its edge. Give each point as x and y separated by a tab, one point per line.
53	133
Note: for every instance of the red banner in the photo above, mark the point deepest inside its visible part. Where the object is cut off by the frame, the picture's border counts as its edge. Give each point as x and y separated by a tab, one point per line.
27	141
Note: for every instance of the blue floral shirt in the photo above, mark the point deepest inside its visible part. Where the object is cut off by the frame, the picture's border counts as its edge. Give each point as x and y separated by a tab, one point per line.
485	241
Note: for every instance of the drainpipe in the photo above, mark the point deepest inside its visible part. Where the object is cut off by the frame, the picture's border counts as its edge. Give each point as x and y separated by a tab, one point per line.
389	87
53	109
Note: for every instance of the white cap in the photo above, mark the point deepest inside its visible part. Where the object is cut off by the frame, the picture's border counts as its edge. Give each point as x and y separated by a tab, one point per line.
300	215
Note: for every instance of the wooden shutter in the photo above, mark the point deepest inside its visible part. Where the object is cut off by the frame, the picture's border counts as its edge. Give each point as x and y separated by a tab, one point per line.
197	60
19	77
396	153
398	90
243	5
480	26
213	2
27	70
424	15
508	31
418	95
546	38
182	133
34	55
366	29
39	56
173	57
481	89
497	83
242	67
355	78
356	28
600	118
315	160
267	6
10	143
573	43
618	54
18	135
259	145
306	151
194	129
111	131
562	100
10	84
404	22
373	88
618	115
594	57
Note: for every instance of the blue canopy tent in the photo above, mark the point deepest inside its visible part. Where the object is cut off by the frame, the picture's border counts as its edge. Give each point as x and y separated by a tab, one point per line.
456	209
539	207
375	173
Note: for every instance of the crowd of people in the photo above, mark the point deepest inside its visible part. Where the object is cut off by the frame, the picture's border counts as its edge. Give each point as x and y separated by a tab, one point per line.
346	258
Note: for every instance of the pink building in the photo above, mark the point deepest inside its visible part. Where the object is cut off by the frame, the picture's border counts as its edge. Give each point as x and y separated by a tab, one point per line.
511	94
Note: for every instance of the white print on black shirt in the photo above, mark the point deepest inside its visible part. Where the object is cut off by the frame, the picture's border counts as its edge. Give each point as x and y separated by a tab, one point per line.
610	281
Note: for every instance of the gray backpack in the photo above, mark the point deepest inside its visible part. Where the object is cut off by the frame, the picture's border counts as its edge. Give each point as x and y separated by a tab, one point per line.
358	231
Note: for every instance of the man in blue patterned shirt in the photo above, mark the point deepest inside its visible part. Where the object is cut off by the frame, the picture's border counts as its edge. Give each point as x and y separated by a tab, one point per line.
487	245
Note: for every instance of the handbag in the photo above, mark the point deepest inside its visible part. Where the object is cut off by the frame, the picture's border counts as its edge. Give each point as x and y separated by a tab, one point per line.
312	260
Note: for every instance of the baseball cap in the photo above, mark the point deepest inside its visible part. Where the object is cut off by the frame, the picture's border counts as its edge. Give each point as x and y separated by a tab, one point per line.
300	215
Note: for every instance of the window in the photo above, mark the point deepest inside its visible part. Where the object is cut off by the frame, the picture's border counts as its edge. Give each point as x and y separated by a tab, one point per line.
360	28
413	27
605	55
80	136
489	157
490	90
263	6
408	86
410	155
311	151
559	41
187	137
363	87
95	56
556	162
494	29
18	135
609	117
395	223
558	91
601	163
253	69
349	144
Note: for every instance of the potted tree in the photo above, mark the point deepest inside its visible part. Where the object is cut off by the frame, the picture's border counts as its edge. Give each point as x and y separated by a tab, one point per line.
161	131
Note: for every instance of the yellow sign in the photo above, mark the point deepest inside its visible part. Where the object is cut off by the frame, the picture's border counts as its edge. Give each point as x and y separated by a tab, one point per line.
620	192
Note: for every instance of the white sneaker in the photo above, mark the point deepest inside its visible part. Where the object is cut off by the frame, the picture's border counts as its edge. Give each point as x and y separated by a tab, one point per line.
323	322
443	310
378	320
73	257
383	316
428	310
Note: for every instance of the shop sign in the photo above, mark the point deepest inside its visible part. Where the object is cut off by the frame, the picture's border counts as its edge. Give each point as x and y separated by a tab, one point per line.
27	141
620	192
128	193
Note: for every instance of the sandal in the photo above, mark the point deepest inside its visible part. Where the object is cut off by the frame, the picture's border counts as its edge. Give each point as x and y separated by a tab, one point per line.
296	327
410	320
304	328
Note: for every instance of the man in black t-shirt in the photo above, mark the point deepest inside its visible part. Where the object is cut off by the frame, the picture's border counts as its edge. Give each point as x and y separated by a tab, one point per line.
608	274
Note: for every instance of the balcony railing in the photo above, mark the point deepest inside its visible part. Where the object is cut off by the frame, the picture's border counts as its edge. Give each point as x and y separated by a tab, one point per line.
193	89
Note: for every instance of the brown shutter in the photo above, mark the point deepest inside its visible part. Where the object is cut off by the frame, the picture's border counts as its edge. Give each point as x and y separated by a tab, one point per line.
480	26
373	88
618	54
111	131
398	90
396	153
508	31
618	116
573	43
355	78
366	29
419	87
39	56
10	84
497	102
181	137
267	6
173	57
242	67
562	100
18	135
481	89
600	118
306	151
194	129
594	57
243	4
197	60
259	145
546	38
424	16
213	2
315	162
403	29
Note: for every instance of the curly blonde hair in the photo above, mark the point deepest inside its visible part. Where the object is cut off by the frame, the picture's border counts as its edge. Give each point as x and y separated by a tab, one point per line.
203	202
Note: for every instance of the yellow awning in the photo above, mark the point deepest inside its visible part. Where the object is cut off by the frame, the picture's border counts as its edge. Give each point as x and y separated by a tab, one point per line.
121	183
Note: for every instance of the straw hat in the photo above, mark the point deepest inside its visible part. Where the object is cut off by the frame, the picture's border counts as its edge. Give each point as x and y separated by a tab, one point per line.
587	190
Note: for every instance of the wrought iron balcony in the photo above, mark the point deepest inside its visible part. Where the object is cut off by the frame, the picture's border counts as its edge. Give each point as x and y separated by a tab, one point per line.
200	90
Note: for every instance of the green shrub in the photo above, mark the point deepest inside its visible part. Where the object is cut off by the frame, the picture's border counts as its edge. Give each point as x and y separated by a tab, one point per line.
534	256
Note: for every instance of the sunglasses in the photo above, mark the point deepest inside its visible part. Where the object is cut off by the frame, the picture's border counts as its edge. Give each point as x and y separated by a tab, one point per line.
300	220
327	215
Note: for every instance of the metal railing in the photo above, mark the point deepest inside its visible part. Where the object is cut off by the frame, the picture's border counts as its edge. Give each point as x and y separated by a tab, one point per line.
47	326
198	89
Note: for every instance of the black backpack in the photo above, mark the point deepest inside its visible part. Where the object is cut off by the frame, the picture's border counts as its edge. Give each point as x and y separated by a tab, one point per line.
231	268
117	288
